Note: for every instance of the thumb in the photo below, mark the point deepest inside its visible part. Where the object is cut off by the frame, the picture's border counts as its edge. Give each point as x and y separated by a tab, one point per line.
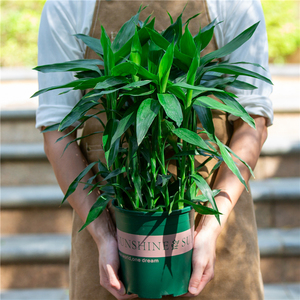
194	285
114	280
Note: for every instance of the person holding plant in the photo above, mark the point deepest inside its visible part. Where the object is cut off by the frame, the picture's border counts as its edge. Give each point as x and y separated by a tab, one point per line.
228	250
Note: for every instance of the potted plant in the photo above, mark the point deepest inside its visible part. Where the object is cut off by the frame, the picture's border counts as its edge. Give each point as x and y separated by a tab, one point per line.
153	89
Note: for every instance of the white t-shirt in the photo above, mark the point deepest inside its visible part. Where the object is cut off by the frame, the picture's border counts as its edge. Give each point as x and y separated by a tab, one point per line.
62	19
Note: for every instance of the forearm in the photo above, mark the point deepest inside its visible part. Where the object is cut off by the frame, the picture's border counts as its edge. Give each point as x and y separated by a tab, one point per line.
66	168
246	143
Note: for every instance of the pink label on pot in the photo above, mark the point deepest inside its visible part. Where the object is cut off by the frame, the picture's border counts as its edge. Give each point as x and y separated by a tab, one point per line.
157	245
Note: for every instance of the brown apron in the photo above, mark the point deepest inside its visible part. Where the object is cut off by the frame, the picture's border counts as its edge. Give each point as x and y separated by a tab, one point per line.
237	268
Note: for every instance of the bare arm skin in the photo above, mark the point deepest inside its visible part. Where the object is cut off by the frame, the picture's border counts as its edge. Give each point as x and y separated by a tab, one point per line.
66	169
246	143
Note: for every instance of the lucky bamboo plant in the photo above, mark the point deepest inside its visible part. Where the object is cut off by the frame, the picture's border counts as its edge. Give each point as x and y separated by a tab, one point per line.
153	88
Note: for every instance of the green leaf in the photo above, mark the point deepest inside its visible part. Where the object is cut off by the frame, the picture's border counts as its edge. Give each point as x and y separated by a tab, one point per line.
219	81
235	70
176	90
80	109
154	55
193	138
53	127
76	181
138	92
165	67
199	88
136	49
207	33
249	168
231	46
126	32
172	107
108	56
124	69
135	170
71	84
187	44
248	63
164	44
145	74
111	149
206	191
125	122
190	79
96	209
136	84
125	50
174	31
230	163
209	102
111	82
115	173
74	65
91	42
231	102
242	85
202	198
146	113
201	209
205	117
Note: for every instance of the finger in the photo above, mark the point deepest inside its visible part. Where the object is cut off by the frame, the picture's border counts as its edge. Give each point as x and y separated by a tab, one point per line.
197	284
116	286
113	280
196	277
207	276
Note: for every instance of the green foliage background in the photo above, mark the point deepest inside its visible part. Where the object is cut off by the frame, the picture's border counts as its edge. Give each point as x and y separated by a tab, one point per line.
20	22
282	21
19	32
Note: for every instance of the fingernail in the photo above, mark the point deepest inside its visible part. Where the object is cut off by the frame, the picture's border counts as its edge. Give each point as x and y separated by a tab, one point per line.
122	291
192	290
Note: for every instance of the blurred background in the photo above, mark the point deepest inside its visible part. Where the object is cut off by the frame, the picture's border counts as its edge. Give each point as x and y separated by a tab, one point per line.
35	232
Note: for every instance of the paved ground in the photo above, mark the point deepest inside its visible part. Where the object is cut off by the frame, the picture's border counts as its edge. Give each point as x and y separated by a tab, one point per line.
272	292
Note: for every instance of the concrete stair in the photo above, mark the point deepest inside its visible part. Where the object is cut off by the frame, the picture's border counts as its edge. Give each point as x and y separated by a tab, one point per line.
35	239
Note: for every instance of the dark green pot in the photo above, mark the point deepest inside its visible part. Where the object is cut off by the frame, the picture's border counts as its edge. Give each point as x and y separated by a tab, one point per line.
155	251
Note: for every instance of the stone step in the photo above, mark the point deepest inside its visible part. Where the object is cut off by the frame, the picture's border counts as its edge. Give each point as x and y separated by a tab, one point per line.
31	196
48	255
278	189
36	209
35	248
35	151
23	152
286	291
47	248
19	160
27	172
18	126
275	189
29	276
276	202
35	294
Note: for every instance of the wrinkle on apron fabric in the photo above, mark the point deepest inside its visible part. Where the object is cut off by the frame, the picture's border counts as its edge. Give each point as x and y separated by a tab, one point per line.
237	267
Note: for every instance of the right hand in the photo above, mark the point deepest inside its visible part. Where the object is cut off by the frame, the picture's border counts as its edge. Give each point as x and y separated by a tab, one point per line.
109	264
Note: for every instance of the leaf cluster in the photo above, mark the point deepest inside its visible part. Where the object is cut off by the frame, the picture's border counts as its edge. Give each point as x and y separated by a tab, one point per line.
154	88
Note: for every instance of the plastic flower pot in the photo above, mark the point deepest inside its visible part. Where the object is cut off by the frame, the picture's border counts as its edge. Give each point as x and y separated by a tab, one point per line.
155	251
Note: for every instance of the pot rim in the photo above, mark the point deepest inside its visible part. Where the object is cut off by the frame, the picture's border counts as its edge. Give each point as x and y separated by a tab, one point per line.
149	213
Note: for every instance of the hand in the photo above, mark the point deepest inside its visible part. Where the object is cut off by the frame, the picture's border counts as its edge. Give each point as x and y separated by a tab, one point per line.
109	264
203	262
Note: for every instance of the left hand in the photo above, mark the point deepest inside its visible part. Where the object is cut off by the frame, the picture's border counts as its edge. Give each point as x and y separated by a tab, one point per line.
203	262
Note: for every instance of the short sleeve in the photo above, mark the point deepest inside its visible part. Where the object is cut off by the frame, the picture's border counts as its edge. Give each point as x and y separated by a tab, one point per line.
60	20
236	16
